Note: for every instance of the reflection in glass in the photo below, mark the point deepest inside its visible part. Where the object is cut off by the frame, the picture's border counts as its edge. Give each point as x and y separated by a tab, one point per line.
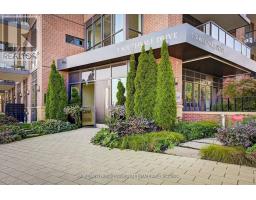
118	22
214	31
119	71
107	26
102	74
97	32
89	37
229	41
244	50
88	76
221	36
119	37
237	46
107	42
114	89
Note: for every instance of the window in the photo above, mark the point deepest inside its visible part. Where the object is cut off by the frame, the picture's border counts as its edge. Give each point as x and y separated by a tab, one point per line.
74	40
134	26
107	29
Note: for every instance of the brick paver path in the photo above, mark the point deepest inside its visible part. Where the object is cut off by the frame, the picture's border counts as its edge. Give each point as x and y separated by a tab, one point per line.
69	158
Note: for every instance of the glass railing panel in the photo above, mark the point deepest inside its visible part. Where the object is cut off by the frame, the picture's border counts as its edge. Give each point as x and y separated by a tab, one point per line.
222	36
248	52
238	46
229	41
244	51
215	31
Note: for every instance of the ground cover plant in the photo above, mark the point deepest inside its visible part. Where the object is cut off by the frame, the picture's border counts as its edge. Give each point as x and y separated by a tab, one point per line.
228	154
152	142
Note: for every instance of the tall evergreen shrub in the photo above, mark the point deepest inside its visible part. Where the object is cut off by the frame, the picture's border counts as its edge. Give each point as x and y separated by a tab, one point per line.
145	85
56	97
120	94
130	87
165	111
75	97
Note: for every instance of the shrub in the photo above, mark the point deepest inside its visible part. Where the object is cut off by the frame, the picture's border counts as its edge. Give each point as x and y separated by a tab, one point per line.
153	142
75	98
232	155
51	126
6	137
129	103
251	149
74	112
16	130
165	112
196	130
242	135
6	120
120	94
56	97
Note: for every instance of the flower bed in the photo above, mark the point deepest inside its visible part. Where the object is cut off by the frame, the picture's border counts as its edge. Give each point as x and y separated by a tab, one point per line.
152	142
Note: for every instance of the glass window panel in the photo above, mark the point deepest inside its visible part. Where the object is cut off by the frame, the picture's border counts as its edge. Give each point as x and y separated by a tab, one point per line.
229	41
134	22
237	46
74	77
196	94
119	37
207	29
244	50
107	26
118	22
114	89
89	37
222	36
188	91
102	74
215	31
119	71
88	76
97	31
133	34
107	42
248	52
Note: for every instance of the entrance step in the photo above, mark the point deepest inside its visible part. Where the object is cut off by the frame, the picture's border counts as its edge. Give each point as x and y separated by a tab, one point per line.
181	151
208	141
193	145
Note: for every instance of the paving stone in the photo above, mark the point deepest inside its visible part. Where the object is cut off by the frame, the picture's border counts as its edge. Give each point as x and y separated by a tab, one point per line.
180	151
194	145
208	141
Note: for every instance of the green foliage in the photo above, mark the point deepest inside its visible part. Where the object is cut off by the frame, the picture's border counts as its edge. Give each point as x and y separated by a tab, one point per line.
165	112
120	94
75	97
145	85
196	130
130	86
56	97
245	87
5	120
226	154
153	142
251	149
74	112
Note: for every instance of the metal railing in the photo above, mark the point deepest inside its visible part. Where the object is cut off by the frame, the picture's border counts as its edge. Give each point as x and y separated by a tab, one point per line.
212	29
238	104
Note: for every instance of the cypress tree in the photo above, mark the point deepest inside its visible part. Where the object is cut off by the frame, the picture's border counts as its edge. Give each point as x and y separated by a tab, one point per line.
75	97
145	85
120	94
165	111
56	97
130	87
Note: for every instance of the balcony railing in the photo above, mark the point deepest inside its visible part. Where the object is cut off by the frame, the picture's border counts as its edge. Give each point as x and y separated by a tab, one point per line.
212	29
220	104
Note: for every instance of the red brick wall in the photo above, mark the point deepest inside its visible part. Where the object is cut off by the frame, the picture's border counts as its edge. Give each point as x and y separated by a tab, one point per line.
240	34
54	29
194	117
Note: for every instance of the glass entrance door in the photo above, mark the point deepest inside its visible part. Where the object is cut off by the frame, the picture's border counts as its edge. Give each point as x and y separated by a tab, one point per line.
88	114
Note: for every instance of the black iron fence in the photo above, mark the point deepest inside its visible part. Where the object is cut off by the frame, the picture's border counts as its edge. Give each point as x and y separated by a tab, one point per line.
238	104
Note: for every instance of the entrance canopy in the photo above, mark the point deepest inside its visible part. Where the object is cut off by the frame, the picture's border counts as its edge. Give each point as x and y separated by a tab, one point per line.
185	42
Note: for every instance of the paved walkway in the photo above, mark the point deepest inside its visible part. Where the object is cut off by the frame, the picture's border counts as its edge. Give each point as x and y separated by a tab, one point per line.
69	158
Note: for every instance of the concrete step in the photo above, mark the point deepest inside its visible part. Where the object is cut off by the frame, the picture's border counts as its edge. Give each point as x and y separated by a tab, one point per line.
208	141
193	145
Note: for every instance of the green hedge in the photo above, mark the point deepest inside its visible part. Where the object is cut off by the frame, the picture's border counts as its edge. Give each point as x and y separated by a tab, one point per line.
152	142
196	130
227	154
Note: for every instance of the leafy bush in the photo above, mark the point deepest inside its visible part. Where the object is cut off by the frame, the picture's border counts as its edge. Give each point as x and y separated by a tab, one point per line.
120	95
6	137
153	142
75	113
6	120
51	126
243	135
196	130
251	149
232	155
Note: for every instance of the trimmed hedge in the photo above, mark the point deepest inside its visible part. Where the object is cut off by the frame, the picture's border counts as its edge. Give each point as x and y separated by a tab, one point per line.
196	130
152	142
226	154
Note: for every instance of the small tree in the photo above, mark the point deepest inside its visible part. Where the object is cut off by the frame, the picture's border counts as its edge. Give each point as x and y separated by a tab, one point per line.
120	94
56	97
145	85
129	104
165	111
75	97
